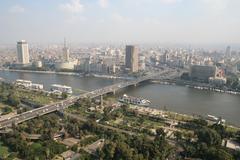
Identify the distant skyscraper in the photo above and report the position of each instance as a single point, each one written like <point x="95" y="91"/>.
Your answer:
<point x="228" y="51"/>
<point x="142" y="63"/>
<point x="165" y="57"/>
<point x="131" y="59"/>
<point x="22" y="52"/>
<point x="66" y="52"/>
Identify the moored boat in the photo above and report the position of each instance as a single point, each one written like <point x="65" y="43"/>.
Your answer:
<point x="134" y="100"/>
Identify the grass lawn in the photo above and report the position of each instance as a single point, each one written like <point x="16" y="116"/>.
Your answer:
<point x="35" y="97"/>
<point x="148" y="123"/>
<point x="3" y="106"/>
<point x="88" y="140"/>
<point x="179" y="117"/>
<point x="232" y="129"/>
<point x="118" y="121"/>
<point x="82" y="110"/>
<point x="3" y="151"/>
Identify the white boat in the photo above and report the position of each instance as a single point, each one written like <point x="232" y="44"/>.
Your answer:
<point x="134" y="100"/>
<point x="61" y="88"/>
<point x="216" y="119"/>
<point x="212" y="118"/>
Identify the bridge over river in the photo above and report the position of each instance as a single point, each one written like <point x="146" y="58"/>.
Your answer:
<point x="61" y="105"/>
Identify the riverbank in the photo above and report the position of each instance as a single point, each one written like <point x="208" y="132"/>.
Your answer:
<point x="170" y="115"/>
<point x="111" y="77"/>
<point x="42" y="72"/>
<point x="214" y="89"/>
<point x="69" y="74"/>
<point x="199" y="86"/>
<point x="163" y="82"/>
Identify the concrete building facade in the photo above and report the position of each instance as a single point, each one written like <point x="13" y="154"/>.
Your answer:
<point x="202" y="72"/>
<point x="22" y="52"/>
<point x="131" y="59"/>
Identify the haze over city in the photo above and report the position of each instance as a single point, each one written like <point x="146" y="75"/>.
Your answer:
<point x="121" y="21"/>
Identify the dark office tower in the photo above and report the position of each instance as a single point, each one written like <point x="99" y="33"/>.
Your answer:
<point x="131" y="59"/>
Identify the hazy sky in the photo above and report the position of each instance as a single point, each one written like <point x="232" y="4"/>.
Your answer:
<point x="135" y="21"/>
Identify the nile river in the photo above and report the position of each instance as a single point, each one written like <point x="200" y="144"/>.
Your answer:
<point x="176" y="98"/>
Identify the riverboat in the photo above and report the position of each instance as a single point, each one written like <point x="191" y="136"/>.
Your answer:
<point x="134" y="100"/>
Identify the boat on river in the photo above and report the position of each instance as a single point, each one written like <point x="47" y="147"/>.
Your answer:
<point x="134" y="100"/>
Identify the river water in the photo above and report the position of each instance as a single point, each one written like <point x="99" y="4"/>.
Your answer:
<point x="175" y="98"/>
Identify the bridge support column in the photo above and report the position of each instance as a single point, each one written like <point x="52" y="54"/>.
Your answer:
<point x="135" y="85"/>
<point x="114" y="92"/>
<point x="101" y="100"/>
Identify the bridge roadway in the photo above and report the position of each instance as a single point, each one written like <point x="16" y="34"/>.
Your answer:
<point x="61" y="105"/>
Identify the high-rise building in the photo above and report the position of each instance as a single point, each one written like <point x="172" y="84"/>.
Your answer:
<point x="202" y="72"/>
<point x="142" y="65"/>
<point x="238" y="67"/>
<point x="22" y="52"/>
<point x="228" y="52"/>
<point x="66" y="52"/>
<point x="131" y="59"/>
<point x="66" y="63"/>
<point x="165" y="57"/>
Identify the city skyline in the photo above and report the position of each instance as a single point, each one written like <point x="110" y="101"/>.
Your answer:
<point x="154" y="21"/>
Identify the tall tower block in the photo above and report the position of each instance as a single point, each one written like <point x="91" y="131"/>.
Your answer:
<point x="22" y="52"/>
